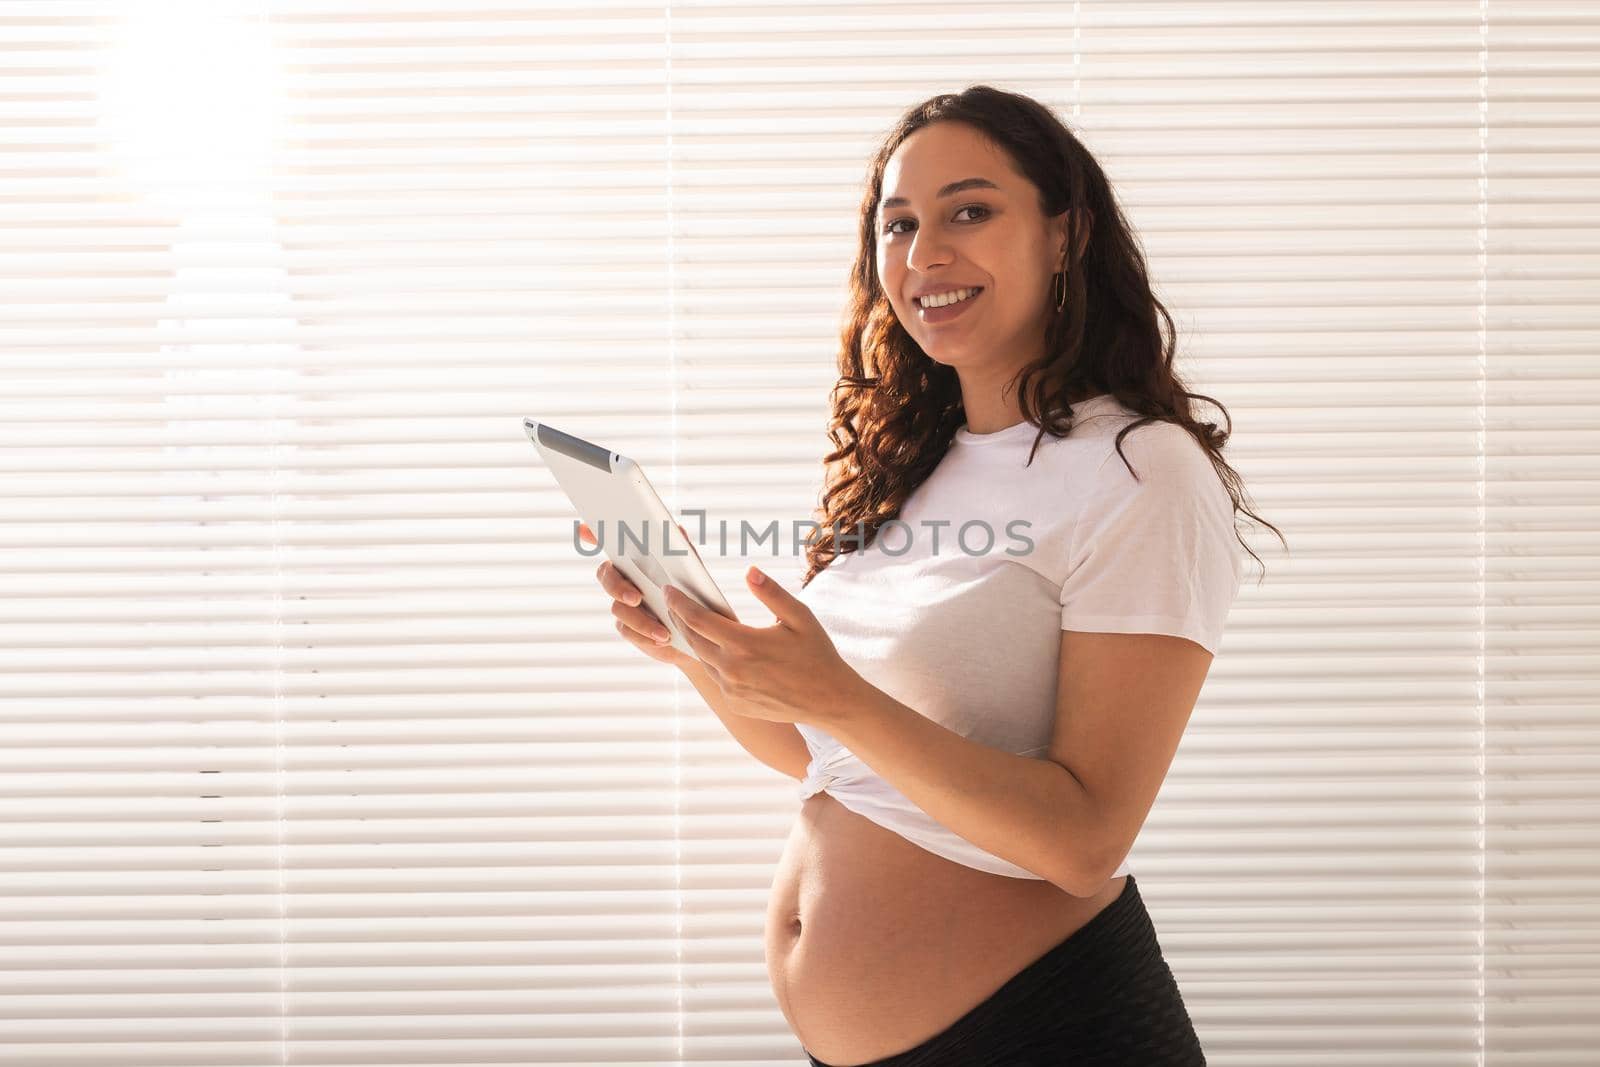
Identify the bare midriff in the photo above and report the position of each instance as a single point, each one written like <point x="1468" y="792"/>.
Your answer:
<point x="874" y="944"/>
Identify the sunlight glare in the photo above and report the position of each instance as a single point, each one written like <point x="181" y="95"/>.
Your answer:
<point x="192" y="96"/>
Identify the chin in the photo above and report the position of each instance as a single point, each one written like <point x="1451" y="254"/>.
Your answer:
<point x="949" y="359"/>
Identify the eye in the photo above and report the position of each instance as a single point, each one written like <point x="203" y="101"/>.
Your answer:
<point x="890" y="228"/>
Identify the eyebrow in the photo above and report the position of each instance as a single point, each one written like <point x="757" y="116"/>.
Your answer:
<point x="949" y="190"/>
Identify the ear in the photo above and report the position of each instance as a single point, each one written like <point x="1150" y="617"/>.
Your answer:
<point x="1085" y="227"/>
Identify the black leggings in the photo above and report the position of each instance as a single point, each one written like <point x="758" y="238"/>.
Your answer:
<point x="1104" y="996"/>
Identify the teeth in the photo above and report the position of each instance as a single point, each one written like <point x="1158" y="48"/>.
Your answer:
<point x="941" y="299"/>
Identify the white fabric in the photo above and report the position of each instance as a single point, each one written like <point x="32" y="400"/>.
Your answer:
<point x="969" y="637"/>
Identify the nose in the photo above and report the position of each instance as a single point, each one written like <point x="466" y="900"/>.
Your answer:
<point x="928" y="252"/>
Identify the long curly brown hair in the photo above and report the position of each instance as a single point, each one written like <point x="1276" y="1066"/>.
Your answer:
<point x="895" y="410"/>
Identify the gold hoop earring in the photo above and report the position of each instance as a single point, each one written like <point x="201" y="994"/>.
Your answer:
<point x="1061" y="289"/>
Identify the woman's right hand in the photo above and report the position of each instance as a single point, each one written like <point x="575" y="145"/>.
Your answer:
<point x="635" y="622"/>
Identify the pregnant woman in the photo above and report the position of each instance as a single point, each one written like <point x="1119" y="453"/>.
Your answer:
<point x="1012" y="602"/>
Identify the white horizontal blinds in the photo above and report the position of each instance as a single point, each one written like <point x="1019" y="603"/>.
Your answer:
<point x="319" y="745"/>
<point x="483" y="860"/>
<point x="1541" y="511"/>
<point x="139" y="905"/>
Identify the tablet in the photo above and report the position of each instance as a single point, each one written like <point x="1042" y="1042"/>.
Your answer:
<point x="634" y="528"/>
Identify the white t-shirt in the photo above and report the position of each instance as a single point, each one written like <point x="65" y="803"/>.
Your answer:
<point x="957" y="615"/>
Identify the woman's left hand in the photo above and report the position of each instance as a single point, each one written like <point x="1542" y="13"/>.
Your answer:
<point x="786" y="672"/>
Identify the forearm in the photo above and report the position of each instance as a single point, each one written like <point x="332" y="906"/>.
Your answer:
<point x="777" y="744"/>
<point x="1030" y="812"/>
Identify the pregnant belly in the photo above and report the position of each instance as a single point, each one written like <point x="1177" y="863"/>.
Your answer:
<point x="874" y="945"/>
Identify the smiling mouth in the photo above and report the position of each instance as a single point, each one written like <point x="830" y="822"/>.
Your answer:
<point x="977" y="291"/>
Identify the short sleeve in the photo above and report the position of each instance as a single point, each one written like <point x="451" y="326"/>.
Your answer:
<point x="1158" y="555"/>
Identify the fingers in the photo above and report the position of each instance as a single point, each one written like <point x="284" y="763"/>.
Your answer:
<point x="625" y="601"/>
<point x="616" y="584"/>
<point x="700" y="619"/>
<point x="653" y="635"/>
<point x="625" y="604"/>
<point x="637" y="624"/>
<point x="641" y="621"/>
<point x="661" y="651"/>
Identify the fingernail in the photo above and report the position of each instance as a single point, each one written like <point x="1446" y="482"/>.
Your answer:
<point x="663" y="638"/>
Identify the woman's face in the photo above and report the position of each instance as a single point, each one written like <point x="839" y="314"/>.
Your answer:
<point x="990" y="235"/>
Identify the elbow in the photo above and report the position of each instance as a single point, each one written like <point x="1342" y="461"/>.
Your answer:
<point x="1080" y="882"/>
<point x="1102" y="866"/>
<point x="1085" y="858"/>
<point x="1094" y="882"/>
<point x="1077" y="881"/>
